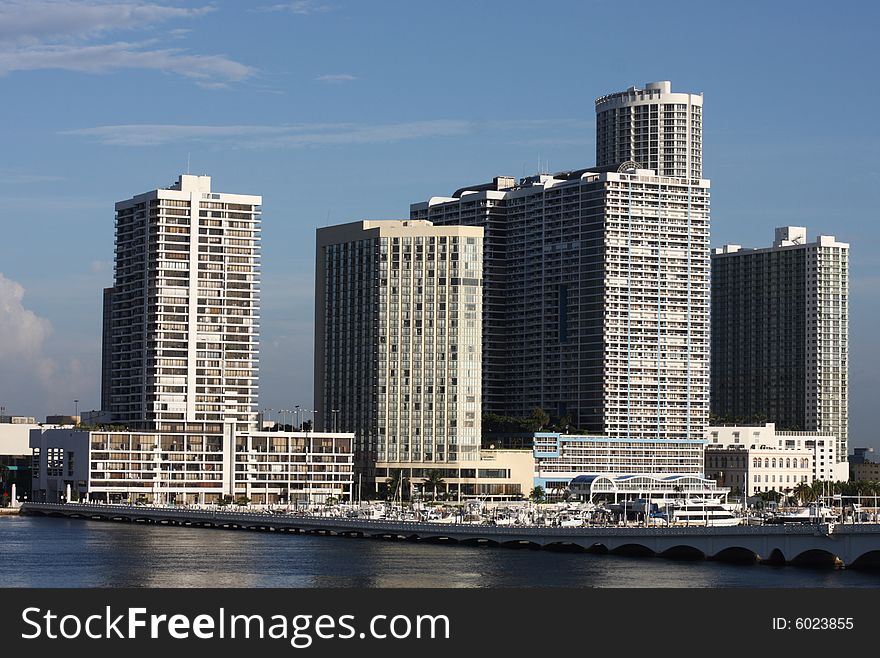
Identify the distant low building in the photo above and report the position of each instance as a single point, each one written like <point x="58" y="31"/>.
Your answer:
<point x="62" y="420"/>
<point x="862" y="467"/>
<point x="17" y="420"/>
<point x="95" y="417"/>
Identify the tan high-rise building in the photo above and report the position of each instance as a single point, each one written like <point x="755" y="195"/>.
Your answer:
<point x="398" y="321"/>
<point x="181" y="339"/>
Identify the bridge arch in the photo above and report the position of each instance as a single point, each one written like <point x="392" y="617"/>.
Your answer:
<point x="683" y="552"/>
<point x="816" y="558"/>
<point x="633" y="550"/>
<point x="520" y="543"/>
<point x="476" y="541"/>
<point x="866" y="561"/>
<point x="565" y="547"/>
<point x="737" y="555"/>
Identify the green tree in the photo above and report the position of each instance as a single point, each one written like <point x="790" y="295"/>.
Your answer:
<point x="434" y="481"/>
<point x="540" y="419"/>
<point x="804" y="493"/>
<point x="397" y="485"/>
<point x="537" y="495"/>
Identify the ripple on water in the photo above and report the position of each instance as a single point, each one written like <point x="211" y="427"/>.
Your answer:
<point x="43" y="552"/>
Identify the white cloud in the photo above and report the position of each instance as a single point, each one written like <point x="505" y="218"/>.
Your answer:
<point x="25" y="179"/>
<point x="294" y="136"/>
<point x="68" y="35"/>
<point x="22" y="332"/>
<point x="114" y="56"/>
<point x="336" y="77"/>
<point x="301" y="7"/>
<point x="97" y="266"/>
<point x="27" y="21"/>
<point x="34" y="382"/>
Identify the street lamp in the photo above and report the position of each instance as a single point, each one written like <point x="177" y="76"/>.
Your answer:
<point x="313" y="412"/>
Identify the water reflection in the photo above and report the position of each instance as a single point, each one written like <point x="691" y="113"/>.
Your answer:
<point x="40" y="552"/>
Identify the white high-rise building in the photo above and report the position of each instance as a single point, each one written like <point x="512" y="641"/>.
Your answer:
<point x="780" y="323"/>
<point x="596" y="295"/>
<point x="655" y="127"/>
<point x="596" y="298"/>
<point x="181" y="340"/>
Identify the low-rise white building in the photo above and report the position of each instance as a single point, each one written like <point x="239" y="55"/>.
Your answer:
<point x="764" y="459"/>
<point x="191" y="463"/>
<point x="654" y="463"/>
<point x="14" y="438"/>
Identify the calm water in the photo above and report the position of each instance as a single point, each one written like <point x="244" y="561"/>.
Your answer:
<point x="41" y="552"/>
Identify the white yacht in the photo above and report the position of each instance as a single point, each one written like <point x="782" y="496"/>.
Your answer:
<point x="812" y="513"/>
<point x="699" y="512"/>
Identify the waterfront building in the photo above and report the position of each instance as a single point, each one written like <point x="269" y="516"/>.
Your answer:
<point x="640" y="488"/>
<point x="398" y="341"/>
<point x="760" y="469"/>
<point x="15" y="459"/>
<point x="596" y="298"/>
<point x="192" y="463"/>
<point x="655" y="127"/>
<point x="181" y="321"/>
<point x="496" y="474"/>
<point x="780" y="319"/>
<point x="294" y="467"/>
<point x="767" y="459"/>
<point x="562" y="458"/>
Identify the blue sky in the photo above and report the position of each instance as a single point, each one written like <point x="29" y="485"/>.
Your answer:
<point x="341" y="110"/>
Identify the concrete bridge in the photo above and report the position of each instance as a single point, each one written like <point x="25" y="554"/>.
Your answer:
<point x="826" y="544"/>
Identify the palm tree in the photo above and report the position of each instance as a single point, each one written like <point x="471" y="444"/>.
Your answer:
<point x="434" y="481"/>
<point x="397" y="481"/>
<point x="537" y="494"/>
<point x="804" y="493"/>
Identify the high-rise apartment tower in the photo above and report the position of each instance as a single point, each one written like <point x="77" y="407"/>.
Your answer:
<point x="398" y="317"/>
<point x="780" y="321"/>
<point x="596" y="294"/>
<point x="181" y="339"/>
<point x="596" y="298"/>
<point x="655" y="127"/>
